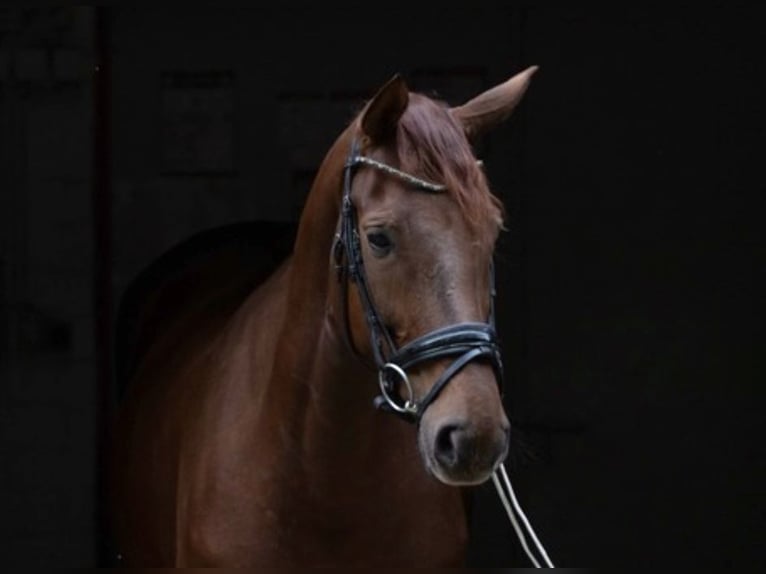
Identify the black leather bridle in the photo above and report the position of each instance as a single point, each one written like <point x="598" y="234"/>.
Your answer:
<point x="465" y="341"/>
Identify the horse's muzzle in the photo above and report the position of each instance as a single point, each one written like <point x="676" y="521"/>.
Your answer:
<point x="462" y="454"/>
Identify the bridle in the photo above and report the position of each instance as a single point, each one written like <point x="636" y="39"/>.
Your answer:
<point x="466" y="341"/>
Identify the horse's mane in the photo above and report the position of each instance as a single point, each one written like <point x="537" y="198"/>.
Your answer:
<point x="431" y="143"/>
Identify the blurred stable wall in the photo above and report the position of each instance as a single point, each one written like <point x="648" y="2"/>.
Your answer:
<point x="47" y="363"/>
<point x="644" y="197"/>
<point x="628" y="279"/>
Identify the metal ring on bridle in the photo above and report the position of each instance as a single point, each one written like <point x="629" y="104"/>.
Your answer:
<point x="410" y="406"/>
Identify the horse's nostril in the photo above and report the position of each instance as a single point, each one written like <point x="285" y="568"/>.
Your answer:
<point x="463" y="451"/>
<point x="447" y="446"/>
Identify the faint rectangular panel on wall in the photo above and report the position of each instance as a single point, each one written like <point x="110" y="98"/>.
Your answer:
<point x="11" y="18"/>
<point x="303" y="128"/>
<point x="309" y="123"/>
<point x="5" y="65"/>
<point x="197" y="118"/>
<point x="5" y="315"/>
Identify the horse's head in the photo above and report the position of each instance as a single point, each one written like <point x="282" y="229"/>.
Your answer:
<point x="427" y="259"/>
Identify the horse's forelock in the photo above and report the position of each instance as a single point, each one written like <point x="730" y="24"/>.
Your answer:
<point x="432" y="144"/>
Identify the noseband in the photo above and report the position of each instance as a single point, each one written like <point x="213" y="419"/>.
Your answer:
<point x="465" y="341"/>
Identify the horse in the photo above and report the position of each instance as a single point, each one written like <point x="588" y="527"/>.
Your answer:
<point x="249" y="434"/>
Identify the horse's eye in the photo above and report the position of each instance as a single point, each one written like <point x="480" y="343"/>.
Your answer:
<point x="379" y="242"/>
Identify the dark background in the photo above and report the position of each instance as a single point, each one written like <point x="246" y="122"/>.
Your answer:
<point x="630" y="280"/>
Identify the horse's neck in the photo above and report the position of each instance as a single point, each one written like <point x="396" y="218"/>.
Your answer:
<point x="311" y="366"/>
<point x="318" y="389"/>
<point x="320" y="449"/>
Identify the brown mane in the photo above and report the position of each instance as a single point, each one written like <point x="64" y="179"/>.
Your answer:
<point x="432" y="144"/>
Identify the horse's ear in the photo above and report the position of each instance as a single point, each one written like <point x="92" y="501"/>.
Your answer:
<point x="382" y="113"/>
<point x="486" y="110"/>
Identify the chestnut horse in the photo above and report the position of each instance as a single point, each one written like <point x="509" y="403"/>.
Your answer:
<point x="248" y="436"/>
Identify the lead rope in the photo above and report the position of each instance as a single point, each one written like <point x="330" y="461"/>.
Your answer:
<point x="513" y="508"/>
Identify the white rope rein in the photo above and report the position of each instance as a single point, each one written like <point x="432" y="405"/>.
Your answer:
<point x="513" y="508"/>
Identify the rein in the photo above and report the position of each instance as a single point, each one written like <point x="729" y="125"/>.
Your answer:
<point x="466" y="341"/>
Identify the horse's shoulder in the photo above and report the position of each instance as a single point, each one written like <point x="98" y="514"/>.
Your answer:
<point x="208" y="275"/>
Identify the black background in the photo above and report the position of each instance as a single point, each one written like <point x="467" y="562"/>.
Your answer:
<point x="630" y="279"/>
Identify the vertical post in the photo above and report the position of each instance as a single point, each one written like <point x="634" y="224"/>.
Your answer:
<point x="102" y="265"/>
